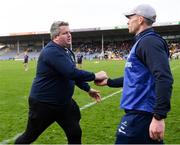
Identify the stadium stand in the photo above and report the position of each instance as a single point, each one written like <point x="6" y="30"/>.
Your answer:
<point x="94" y="43"/>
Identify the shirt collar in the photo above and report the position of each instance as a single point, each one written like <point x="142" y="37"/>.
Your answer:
<point x="143" y="33"/>
<point x="57" y="45"/>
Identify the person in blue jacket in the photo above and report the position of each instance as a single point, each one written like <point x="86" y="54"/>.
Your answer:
<point x="50" y="99"/>
<point x="147" y="82"/>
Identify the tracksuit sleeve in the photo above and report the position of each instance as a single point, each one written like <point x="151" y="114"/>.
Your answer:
<point x="65" y="67"/>
<point x="153" y="52"/>
<point x="115" y="83"/>
<point x="83" y="86"/>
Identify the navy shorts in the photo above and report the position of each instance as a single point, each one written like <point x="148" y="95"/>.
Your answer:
<point x="134" y="129"/>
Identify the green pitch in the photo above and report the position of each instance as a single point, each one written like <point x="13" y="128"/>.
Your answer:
<point x="99" y="121"/>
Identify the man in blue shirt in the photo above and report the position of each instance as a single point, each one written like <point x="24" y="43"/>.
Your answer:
<point x="147" y="82"/>
<point x="50" y="99"/>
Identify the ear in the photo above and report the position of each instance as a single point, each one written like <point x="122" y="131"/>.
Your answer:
<point x="141" y="19"/>
<point x="56" y="38"/>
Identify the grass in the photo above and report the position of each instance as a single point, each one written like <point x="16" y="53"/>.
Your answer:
<point x="99" y="122"/>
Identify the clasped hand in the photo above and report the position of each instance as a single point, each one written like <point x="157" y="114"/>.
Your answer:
<point x="100" y="80"/>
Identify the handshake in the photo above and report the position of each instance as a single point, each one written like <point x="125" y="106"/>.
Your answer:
<point x="101" y="78"/>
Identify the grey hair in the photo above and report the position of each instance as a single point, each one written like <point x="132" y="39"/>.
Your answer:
<point x="148" y="21"/>
<point x="54" y="30"/>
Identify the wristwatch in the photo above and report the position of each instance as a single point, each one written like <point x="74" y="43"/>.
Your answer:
<point x="158" y="117"/>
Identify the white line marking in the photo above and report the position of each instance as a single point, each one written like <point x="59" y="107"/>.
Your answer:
<point x="104" y="98"/>
<point x="82" y="108"/>
<point x="9" y="140"/>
